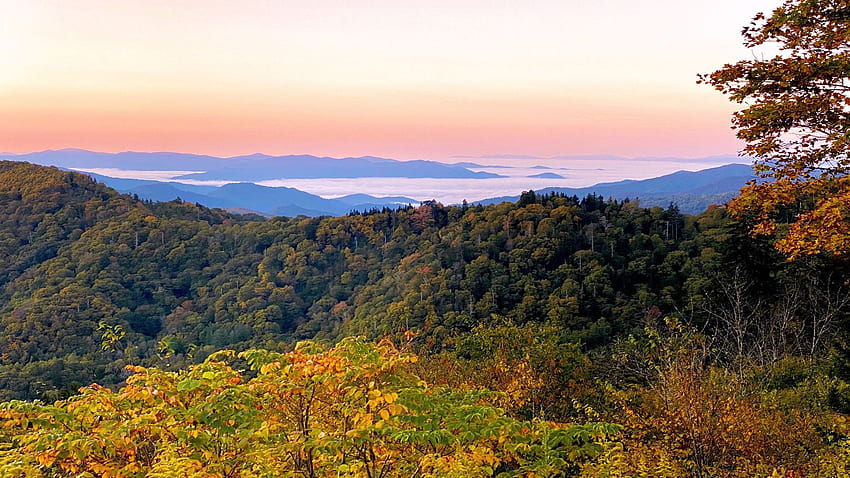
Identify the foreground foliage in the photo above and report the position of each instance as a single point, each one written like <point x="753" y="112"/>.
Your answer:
<point x="688" y="414"/>
<point x="353" y="410"/>
<point x="687" y="409"/>
<point x="360" y="409"/>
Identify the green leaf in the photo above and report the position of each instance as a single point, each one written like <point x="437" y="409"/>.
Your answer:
<point x="188" y="385"/>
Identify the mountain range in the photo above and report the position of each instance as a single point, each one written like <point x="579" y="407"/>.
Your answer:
<point x="254" y="167"/>
<point x="691" y="191"/>
<point x="270" y="201"/>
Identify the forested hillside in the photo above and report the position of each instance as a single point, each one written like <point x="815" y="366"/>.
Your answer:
<point x="93" y="280"/>
<point x="578" y="309"/>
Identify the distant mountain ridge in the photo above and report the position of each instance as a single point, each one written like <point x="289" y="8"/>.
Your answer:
<point x="728" y="158"/>
<point x="270" y="201"/>
<point x="254" y="167"/>
<point x="693" y="191"/>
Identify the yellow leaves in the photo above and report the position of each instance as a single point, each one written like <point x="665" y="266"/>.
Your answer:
<point x="269" y="367"/>
<point x="397" y="409"/>
<point x="820" y="227"/>
<point x="474" y="460"/>
<point x="640" y="459"/>
<point x="341" y="411"/>
<point x="385" y="404"/>
<point x="795" y="124"/>
<point x="46" y="459"/>
<point x="824" y="229"/>
<point x="135" y="369"/>
<point x="101" y="469"/>
<point x="10" y="423"/>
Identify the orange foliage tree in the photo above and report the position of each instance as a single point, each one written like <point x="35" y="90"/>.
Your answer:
<point x="796" y="123"/>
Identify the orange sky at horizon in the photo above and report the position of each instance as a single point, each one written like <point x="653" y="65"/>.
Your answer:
<point x="428" y="79"/>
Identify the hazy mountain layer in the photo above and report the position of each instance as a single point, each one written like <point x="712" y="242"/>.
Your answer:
<point x="277" y="201"/>
<point x="693" y="191"/>
<point x="255" y="167"/>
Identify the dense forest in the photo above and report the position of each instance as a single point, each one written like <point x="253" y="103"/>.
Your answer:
<point x="553" y="336"/>
<point x="675" y="345"/>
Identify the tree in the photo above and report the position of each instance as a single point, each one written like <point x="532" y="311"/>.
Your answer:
<point x="355" y="410"/>
<point x="685" y="415"/>
<point x="796" y="123"/>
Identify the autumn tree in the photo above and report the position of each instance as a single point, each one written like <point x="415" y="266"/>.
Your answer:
<point x="796" y="123"/>
<point x="684" y="414"/>
<point x="355" y="410"/>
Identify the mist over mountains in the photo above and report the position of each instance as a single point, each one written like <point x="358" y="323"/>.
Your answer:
<point x="254" y="167"/>
<point x="270" y="201"/>
<point x="231" y="183"/>
<point x="692" y="192"/>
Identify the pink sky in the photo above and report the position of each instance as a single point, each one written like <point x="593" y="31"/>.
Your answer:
<point x="414" y="79"/>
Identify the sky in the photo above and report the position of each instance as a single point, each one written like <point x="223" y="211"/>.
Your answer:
<point x="413" y="79"/>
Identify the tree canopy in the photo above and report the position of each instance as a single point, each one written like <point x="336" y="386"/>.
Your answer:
<point x="534" y="324"/>
<point x="796" y="123"/>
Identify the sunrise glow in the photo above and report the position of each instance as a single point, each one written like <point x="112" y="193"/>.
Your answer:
<point x="419" y="79"/>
